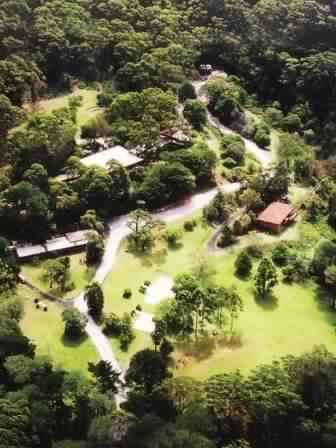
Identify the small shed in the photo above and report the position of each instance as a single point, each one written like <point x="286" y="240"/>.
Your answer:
<point x="276" y="216"/>
<point x="205" y="69"/>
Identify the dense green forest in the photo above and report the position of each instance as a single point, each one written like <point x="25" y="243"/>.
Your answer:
<point x="137" y="54"/>
<point x="284" y="52"/>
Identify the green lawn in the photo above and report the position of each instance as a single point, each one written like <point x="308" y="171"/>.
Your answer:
<point x="295" y="322"/>
<point x="80" y="275"/>
<point x="87" y="110"/>
<point x="45" y="329"/>
<point x="131" y="271"/>
<point x="292" y="323"/>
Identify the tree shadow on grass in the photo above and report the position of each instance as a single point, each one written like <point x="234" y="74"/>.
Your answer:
<point x="323" y="298"/>
<point x="200" y="350"/>
<point x="157" y="257"/>
<point x="176" y="247"/>
<point x="68" y="342"/>
<point x="267" y="303"/>
<point x="231" y="341"/>
<point x="243" y="277"/>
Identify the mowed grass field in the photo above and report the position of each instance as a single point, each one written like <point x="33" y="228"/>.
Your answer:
<point x="131" y="271"/>
<point x="87" y="110"/>
<point x="294" y="322"/>
<point x="81" y="275"/>
<point x="45" y="329"/>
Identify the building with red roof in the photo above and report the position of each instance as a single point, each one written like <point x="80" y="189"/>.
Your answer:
<point x="276" y="216"/>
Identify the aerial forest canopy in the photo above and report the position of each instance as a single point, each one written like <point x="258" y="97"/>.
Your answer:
<point x="283" y="51"/>
<point x="174" y="132"/>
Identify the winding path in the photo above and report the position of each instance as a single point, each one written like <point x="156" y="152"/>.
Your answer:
<point x="118" y="230"/>
<point x="265" y="157"/>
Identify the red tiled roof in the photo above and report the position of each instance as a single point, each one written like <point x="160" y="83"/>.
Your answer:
<point x="276" y="213"/>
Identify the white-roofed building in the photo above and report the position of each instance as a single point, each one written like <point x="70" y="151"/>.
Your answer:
<point x="70" y="242"/>
<point x="116" y="153"/>
<point x="30" y="251"/>
<point x="58" y="244"/>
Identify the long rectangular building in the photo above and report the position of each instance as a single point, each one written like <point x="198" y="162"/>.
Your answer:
<point x="69" y="242"/>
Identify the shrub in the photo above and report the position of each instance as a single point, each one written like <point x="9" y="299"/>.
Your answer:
<point x="242" y="225"/>
<point x="172" y="237"/>
<point x="233" y="147"/>
<point x="280" y="254"/>
<point x="262" y="138"/>
<point x="126" y="332"/>
<point x="147" y="282"/>
<point x="142" y="289"/>
<point x="138" y="307"/>
<point x="238" y="174"/>
<point x="292" y="123"/>
<point x="309" y="136"/>
<point x="195" y="112"/>
<point x="186" y="91"/>
<point x="254" y="251"/>
<point x="229" y="162"/>
<point x="226" y="237"/>
<point x="94" y="248"/>
<point x="127" y="293"/>
<point x="112" y="325"/>
<point x="243" y="264"/>
<point x="297" y="270"/>
<point x="189" y="226"/>
<point x="74" y="323"/>
<point x="274" y="116"/>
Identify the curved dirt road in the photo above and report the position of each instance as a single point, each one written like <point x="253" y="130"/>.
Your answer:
<point x="264" y="157"/>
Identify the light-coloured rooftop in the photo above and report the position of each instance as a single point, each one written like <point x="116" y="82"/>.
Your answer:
<point x="71" y="240"/>
<point x="57" y="244"/>
<point x="78" y="236"/>
<point x="116" y="153"/>
<point x="30" y="250"/>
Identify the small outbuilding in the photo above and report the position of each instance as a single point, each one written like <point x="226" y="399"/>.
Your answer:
<point x="205" y="69"/>
<point x="276" y="216"/>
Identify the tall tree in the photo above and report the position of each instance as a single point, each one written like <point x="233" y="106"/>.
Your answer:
<point x="266" y="278"/>
<point x="58" y="272"/>
<point x="147" y="369"/>
<point x="94" y="298"/>
<point x="143" y="227"/>
<point x="108" y="379"/>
